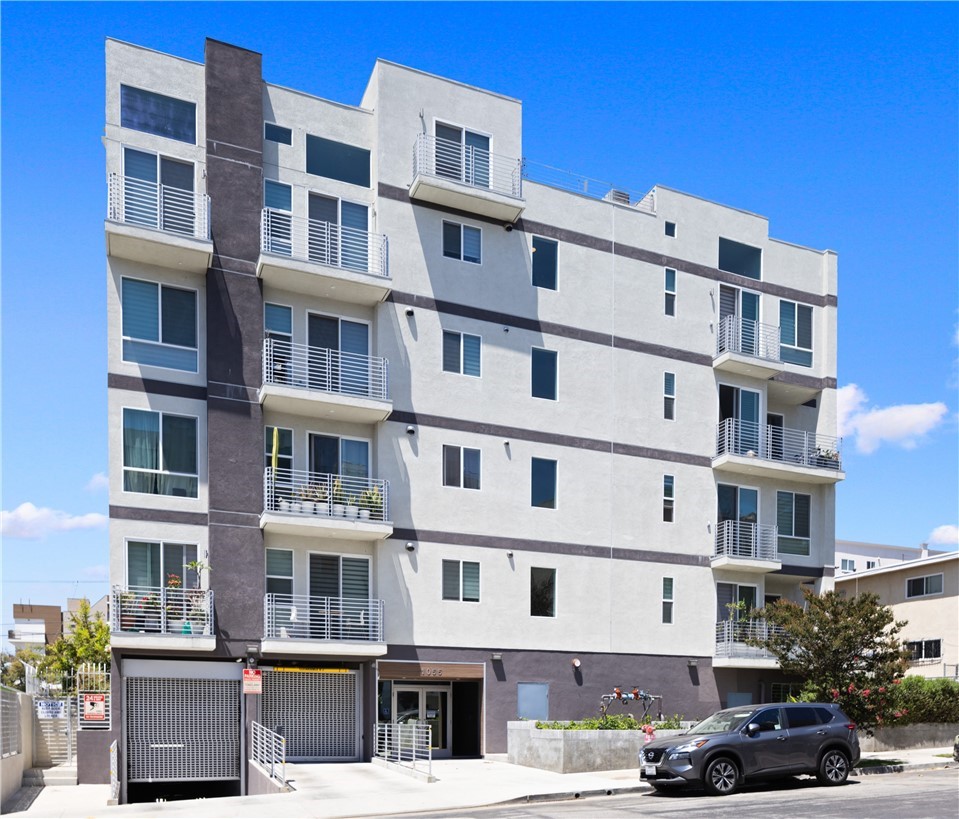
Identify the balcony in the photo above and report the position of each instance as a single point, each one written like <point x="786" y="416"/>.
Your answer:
<point x="153" y="617"/>
<point x="321" y="382"/>
<point x="159" y="225"/>
<point x="300" y="624"/>
<point x="467" y="178"/>
<point x="761" y="450"/>
<point x="747" y="547"/>
<point x="322" y="505"/>
<point x="747" y="347"/>
<point x="322" y="259"/>
<point x="732" y="651"/>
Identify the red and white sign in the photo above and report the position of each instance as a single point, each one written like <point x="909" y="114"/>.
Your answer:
<point x="94" y="707"/>
<point x="252" y="681"/>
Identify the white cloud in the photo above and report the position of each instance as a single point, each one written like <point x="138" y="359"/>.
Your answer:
<point x="948" y="535"/>
<point x="29" y="522"/>
<point x="901" y="424"/>
<point x="98" y="482"/>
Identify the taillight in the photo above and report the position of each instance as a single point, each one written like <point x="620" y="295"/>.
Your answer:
<point x="851" y="726"/>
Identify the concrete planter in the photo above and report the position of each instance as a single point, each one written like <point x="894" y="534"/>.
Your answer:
<point x="904" y="737"/>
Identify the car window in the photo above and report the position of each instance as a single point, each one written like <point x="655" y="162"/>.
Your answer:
<point x="768" y="720"/>
<point x="825" y="715"/>
<point x="799" y="717"/>
<point x="721" y="721"/>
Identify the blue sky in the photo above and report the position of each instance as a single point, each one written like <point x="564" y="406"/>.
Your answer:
<point x="837" y="122"/>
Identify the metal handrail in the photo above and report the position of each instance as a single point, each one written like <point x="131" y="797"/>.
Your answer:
<point x="409" y="744"/>
<point x="305" y="617"/>
<point x="114" y="771"/>
<point x="157" y="610"/>
<point x="475" y="167"/>
<point x="731" y="636"/>
<point x="748" y="337"/>
<point x="735" y="538"/>
<point x="310" y="240"/>
<point x="297" y="492"/>
<point x="323" y="370"/>
<point x="593" y="188"/>
<point x="161" y="207"/>
<point x="781" y="444"/>
<point x="268" y="749"/>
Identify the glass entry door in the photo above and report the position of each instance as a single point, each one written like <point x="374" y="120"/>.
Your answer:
<point x="428" y="704"/>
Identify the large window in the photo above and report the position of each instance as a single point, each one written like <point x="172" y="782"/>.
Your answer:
<point x="158" y="192"/>
<point x="152" y="563"/>
<point x="279" y="571"/>
<point x="669" y="396"/>
<point x="795" y="327"/>
<point x="667" y="600"/>
<point x="924" y="650"/>
<point x="339" y="576"/>
<point x="542" y="592"/>
<point x="159" y="453"/>
<point x="462" y="242"/>
<point x="461" y="353"/>
<point x="543" y="367"/>
<point x="461" y="580"/>
<point x="337" y="160"/>
<point x="461" y="467"/>
<point x="792" y="518"/>
<point x="156" y="114"/>
<point x="462" y="155"/>
<point x="924" y="586"/>
<point x="159" y="325"/>
<point x="543" y="483"/>
<point x="545" y="263"/>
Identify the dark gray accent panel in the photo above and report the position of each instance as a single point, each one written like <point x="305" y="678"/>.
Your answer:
<point x="563" y="235"/>
<point x="93" y="753"/>
<point x="233" y="392"/>
<point x="808" y="381"/>
<point x="157" y="515"/>
<point x="806" y="571"/>
<point x="219" y="518"/>
<point x="634" y="451"/>
<point x="236" y="456"/>
<point x="115" y="381"/>
<point x="661" y="351"/>
<point x="238" y="581"/>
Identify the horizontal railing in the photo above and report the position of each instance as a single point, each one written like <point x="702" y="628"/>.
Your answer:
<point x="268" y="750"/>
<point x="748" y="337"/>
<point x="310" y="240"/>
<point x="735" y="538"/>
<point x="770" y="443"/>
<point x="161" y="207"/>
<point x="296" y="492"/>
<point x="317" y="368"/>
<point x="433" y="156"/>
<point x="594" y="188"/>
<point x="731" y="637"/>
<point x="155" y="610"/>
<point x="304" y="617"/>
<point x="408" y="744"/>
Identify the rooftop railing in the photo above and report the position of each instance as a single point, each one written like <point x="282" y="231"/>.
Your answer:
<point x="594" y="188"/>
<point x="157" y="610"/>
<point x="736" y="538"/>
<point x="794" y="447"/>
<point x="731" y="637"/>
<point x="314" y="494"/>
<point x="302" y="617"/>
<point x="161" y="207"/>
<point x="748" y="337"/>
<point x="317" y="368"/>
<point x="433" y="156"/>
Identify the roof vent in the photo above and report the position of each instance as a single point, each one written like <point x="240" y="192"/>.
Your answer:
<point x="617" y="196"/>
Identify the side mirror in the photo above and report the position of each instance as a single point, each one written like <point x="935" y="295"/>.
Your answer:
<point x="752" y="729"/>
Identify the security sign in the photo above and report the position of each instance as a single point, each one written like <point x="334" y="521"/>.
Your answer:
<point x="252" y="681"/>
<point x="94" y="707"/>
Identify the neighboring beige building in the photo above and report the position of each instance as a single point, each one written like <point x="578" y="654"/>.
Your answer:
<point x="855" y="556"/>
<point x="925" y="593"/>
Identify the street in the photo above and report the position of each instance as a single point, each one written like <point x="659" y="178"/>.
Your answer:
<point x="916" y="795"/>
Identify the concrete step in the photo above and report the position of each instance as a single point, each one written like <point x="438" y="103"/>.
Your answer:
<point x="40" y="777"/>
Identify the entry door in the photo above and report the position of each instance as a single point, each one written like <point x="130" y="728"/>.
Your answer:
<point x="744" y="305"/>
<point x="427" y="704"/>
<point x="774" y="436"/>
<point x="346" y="457"/>
<point x="741" y="505"/>
<point x="339" y="355"/>
<point x="167" y="207"/>
<point x="338" y="233"/>
<point x="742" y="406"/>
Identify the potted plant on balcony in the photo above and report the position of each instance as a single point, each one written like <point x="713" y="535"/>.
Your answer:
<point x="318" y="494"/>
<point x="149" y="605"/>
<point x="371" y="504"/>
<point x="339" y="499"/>
<point x="128" y="611"/>
<point x="196" y="601"/>
<point x="305" y="497"/>
<point x="352" y="508"/>
<point x="174" y="603"/>
<point x="827" y="458"/>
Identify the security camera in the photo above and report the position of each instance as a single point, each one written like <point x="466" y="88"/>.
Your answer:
<point x="411" y="430"/>
<point x="410" y="547"/>
<point x="508" y="228"/>
<point x="409" y="311"/>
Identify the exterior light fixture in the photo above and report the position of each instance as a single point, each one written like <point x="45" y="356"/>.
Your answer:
<point x="496" y="657"/>
<point x="576" y="662"/>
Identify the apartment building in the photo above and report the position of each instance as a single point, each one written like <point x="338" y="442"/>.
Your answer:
<point x="856" y="556"/>
<point x="419" y="437"/>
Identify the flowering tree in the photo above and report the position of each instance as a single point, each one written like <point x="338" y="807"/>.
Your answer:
<point x="847" y="651"/>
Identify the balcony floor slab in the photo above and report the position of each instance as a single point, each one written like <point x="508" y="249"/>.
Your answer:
<point x="315" y="279"/>
<point x="745" y="662"/>
<point x="158" y="247"/>
<point x="780" y="470"/>
<point x="322" y="648"/>
<point x="747" y="365"/>
<point x="457" y="195"/>
<point x="162" y="642"/>
<point x="297" y="523"/>
<point x="327" y="405"/>
<point x="745" y="564"/>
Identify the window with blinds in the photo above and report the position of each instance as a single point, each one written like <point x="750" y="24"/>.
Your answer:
<point x="159" y="325"/>
<point x="667" y="600"/>
<point x="279" y="571"/>
<point x="669" y="396"/>
<point x="462" y="242"/>
<point x="339" y="576"/>
<point x="461" y="467"/>
<point x="670" y="292"/>
<point x="461" y="353"/>
<point x="795" y="328"/>
<point x="461" y="581"/>
<point x="793" y="522"/>
<point x="152" y="563"/>
<point x="159" y="453"/>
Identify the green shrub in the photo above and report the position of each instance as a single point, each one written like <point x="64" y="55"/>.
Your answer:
<point x="611" y="722"/>
<point x="918" y="699"/>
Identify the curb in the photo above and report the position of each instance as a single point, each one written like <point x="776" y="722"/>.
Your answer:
<point x="913" y="766"/>
<point x="562" y="796"/>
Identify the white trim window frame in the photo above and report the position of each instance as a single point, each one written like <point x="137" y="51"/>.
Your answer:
<point x="188" y="578"/>
<point x="467" y="588"/>
<point x="128" y="342"/>
<point x="847" y="565"/>
<point x="543" y="242"/>
<point x="669" y="498"/>
<point x="931" y="586"/>
<point x="442" y="161"/>
<point x="669" y="589"/>
<point x="787" y="541"/>
<point x="178" y="483"/>
<point x="458" y="475"/>
<point x="791" y="350"/>
<point x="460" y="252"/>
<point x="463" y="362"/>
<point x="280" y="578"/>
<point x="669" y="396"/>
<point x="669" y="292"/>
<point x="924" y="651"/>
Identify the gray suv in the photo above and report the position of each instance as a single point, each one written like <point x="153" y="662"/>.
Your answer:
<point x="755" y="741"/>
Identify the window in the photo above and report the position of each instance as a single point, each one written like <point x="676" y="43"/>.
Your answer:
<point x="847" y="565"/>
<point x="545" y="263"/>
<point x="159" y="453"/>
<point x="668" y="498"/>
<point x="150" y="564"/>
<point x="462" y="242"/>
<point x="670" y="288"/>
<point x="156" y="114"/>
<point x="461" y="353"/>
<point x="462" y="155"/>
<point x="159" y="325"/>
<point x="542" y="592"/>
<point x="924" y="650"/>
<point x="461" y="467"/>
<point x="337" y="160"/>
<point x="284" y="447"/>
<point x="870" y="564"/>
<point x="795" y="327"/>
<point x="158" y="193"/>
<point x="337" y="232"/>
<point x="671" y="229"/>
<point x="340" y="576"/>
<point x="279" y="571"/>
<point x="735" y="601"/>
<point x="924" y="586"/>
<point x="543" y="483"/>
<point x="543" y="366"/>
<point x="801" y="717"/>
<point x="781" y="692"/>
<point x="461" y="581"/>
<point x="277" y="133"/>
<point x="792" y="518"/>
<point x="278" y="224"/>
<point x="667" y="600"/>
<point x="743" y="260"/>
<point x="669" y="396"/>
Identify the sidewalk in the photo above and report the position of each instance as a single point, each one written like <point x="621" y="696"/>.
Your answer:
<point x="360" y="789"/>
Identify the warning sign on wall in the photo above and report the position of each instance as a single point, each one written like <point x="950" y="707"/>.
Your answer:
<point x="252" y="681"/>
<point x="94" y="707"/>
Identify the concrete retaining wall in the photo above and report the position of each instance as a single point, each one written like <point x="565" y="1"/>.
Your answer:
<point x="12" y="767"/>
<point x="904" y="737"/>
<point x="258" y="781"/>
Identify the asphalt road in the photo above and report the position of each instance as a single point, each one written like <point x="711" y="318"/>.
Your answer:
<point x="914" y="795"/>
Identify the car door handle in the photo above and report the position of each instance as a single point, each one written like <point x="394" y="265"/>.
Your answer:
<point x="781" y="739"/>
<point x="821" y="733"/>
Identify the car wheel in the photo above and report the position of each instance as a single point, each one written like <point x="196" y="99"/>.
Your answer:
<point x="721" y="777"/>
<point x="833" y="768"/>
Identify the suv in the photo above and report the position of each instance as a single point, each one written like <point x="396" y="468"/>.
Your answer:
<point x="755" y="741"/>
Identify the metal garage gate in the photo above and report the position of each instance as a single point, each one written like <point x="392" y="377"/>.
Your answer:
<point x="316" y="710"/>
<point x="182" y="729"/>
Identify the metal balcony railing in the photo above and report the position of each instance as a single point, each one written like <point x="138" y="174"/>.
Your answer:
<point x="731" y="636"/>
<point x="748" y="337"/>
<point x="409" y="744"/>
<point x="735" y="538"/>
<point x="308" y="494"/>
<point x="317" y="368"/>
<point x="156" y="610"/>
<point x="433" y="156"/>
<point x="594" y="188"/>
<point x="788" y="446"/>
<point x="161" y="207"/>
<point x="310" y="240"/>
<point x="303" y="617"/>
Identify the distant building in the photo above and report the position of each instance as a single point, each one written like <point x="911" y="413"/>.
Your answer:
<point x="35" y="626"/>
<point x="856" y="556"/>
